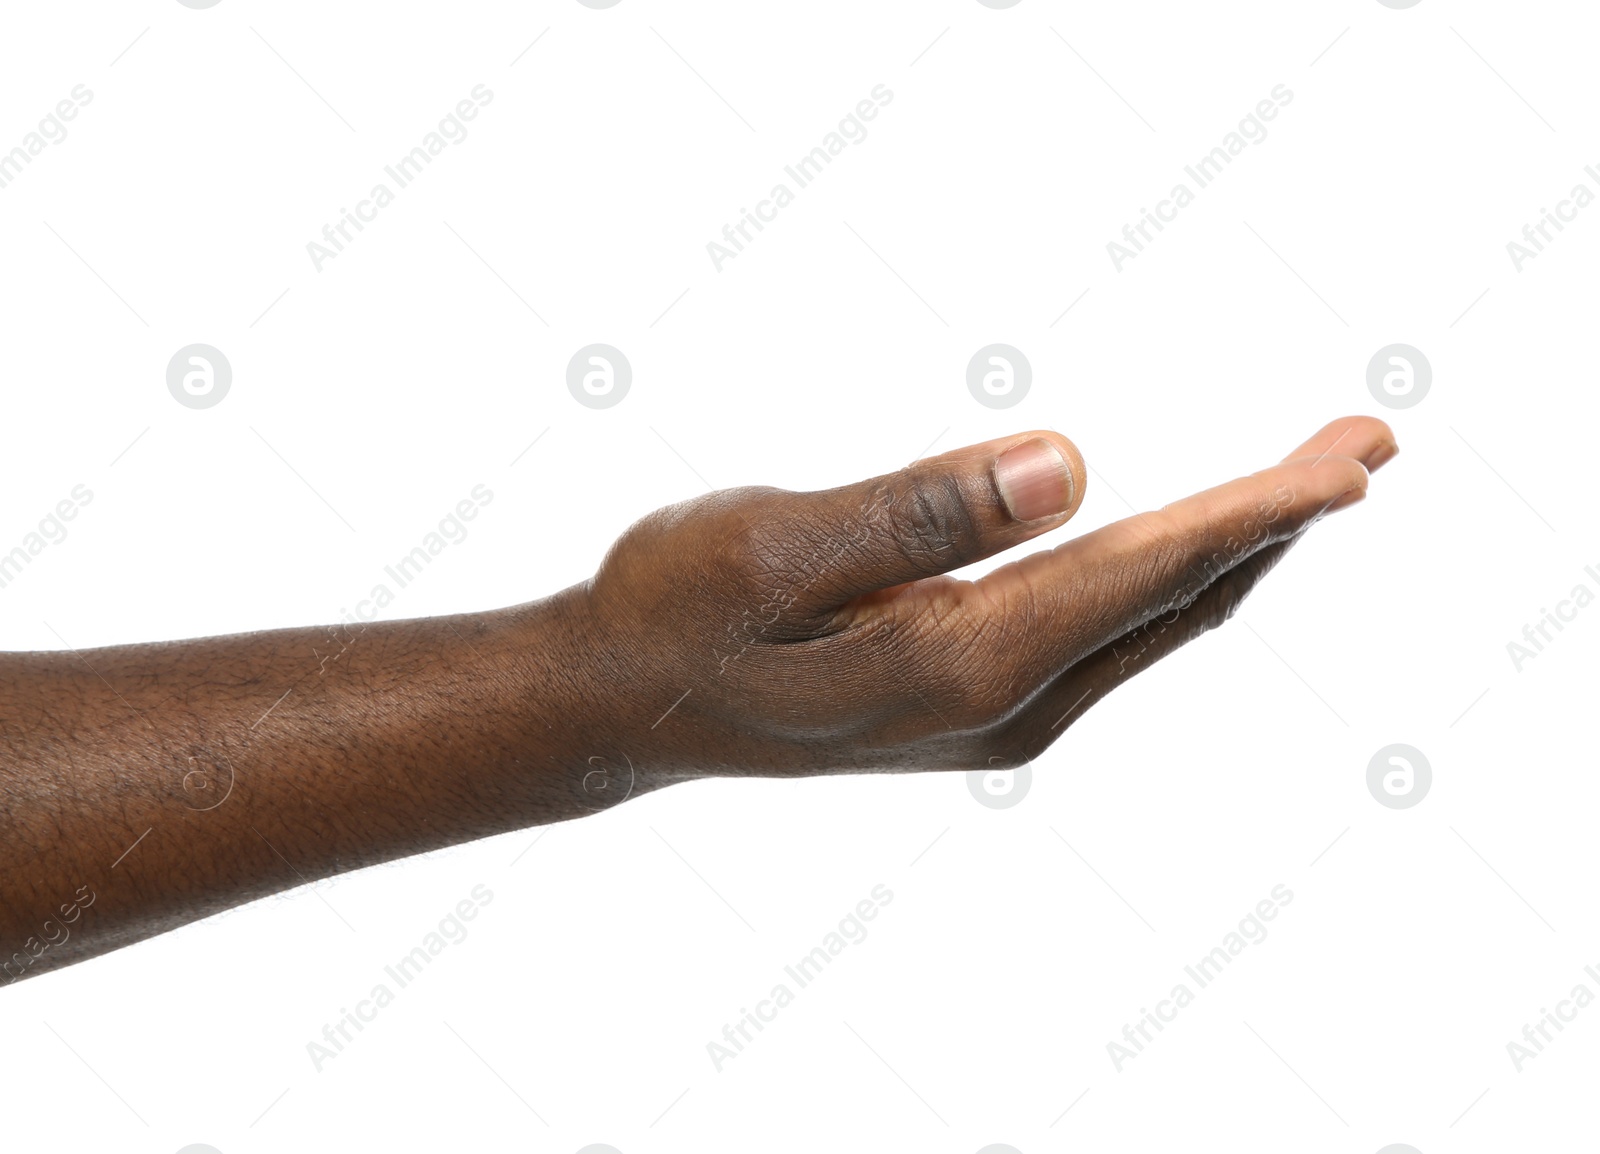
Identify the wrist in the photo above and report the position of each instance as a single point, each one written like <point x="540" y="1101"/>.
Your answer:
<point x="573" y="702"/>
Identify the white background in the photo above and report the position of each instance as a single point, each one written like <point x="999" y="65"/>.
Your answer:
<point x="369" y="397"/>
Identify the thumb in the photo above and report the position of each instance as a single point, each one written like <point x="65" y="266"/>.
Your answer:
<point x="944" y="512"/>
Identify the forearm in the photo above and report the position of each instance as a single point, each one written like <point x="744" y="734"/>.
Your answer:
<point x="239" y="766"/>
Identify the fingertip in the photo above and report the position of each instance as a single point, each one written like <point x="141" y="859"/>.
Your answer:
<point x="1360" y="478"/>
<point x="1376" y="438"/>
<point x="1080" y="471"/>
<point x="1385" y="452"/>
<point x="1353" y="497"/>
<point x="1316" y="484"/>
<point x="1366" y="439"/>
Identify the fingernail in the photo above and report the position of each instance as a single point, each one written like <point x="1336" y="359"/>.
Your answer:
<point x="1034" y="480"/>
<point x="1381" y="455"/>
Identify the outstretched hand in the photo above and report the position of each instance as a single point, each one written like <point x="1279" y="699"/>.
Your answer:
<point x="759" y="631"/>
<point x="748" y="632"/>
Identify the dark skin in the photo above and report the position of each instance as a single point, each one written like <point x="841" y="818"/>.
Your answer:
<point x="750" y="632"/>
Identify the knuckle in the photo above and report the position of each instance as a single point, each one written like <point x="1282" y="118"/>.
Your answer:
<point x="932" y="523"/>
<point x="772" y="566"/>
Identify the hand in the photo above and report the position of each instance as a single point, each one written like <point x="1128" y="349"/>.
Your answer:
<point x="803" y="633"/>
<point x="747" y="632"/>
